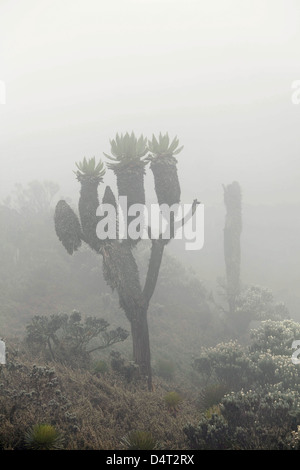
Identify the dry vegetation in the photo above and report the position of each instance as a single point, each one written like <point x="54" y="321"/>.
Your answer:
<point x="90" y="411"/>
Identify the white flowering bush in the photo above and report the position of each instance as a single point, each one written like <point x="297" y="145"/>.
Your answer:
<point x="251" y="420"/>
<point x="275" y="337"/>
<point x="262" y="411"/>
<point x="278" y="370"/>
<point x="267" y="360"/>
<point x="225" y="363"/>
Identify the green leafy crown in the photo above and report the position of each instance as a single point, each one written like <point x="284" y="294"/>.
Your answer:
<point x="162" y="147"/>
<point x="90" y="168"/>
<point x="127" y="148"/>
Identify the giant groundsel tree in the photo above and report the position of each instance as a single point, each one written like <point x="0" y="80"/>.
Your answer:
<point x="232" y="244"/>
<point x="246" y="303"/>
<point x="128" y="160"/>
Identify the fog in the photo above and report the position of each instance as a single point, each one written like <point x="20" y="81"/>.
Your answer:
<point x="217" y="74"/>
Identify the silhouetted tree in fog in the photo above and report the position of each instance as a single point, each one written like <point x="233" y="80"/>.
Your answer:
<point x="232" y="245"/>
<point x="128" y="162"/>
<point x="246" y="303"/>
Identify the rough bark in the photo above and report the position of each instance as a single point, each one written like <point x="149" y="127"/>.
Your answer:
<point x="88" y="205"/>
<point x="121" y="273"/>
<point x="166" y="181"/>
<point x="141" y="345"/>
<point x="130" y="183"/>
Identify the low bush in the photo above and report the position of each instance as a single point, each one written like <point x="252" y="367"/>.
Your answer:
<point x="43" y="437"/>
<point x="140" y="440"/>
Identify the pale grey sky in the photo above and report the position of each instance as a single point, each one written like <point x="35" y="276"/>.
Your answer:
<point x="216" y="73"/>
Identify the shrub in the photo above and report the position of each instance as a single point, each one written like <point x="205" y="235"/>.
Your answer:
<point x="128" y="370"/>
<point x="213" y="410"/>
<point x="100" y="367"/>
<point x="262" y="411"/>
<point x="91" y="412"/>
<point x="70" y="339"/>
<point x="140" y="440"/>
<point x="211" y="396"/>
<point x="226" y="363"/>
<point x="43" y="437"/>
<point x="265" y="362"/>
<point x="275" y="337"/>
<point x="257" y="303"/>
<point x="249" y="420"/>
<point x="173" y="400"/>
<point x="210" y="434"/>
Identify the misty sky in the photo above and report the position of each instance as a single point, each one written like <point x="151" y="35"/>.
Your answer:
<point x="216" y="73"/>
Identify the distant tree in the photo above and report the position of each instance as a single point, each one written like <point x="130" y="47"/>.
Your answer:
<point x="246" y="303"/>
<point x="128" y="162"/>
<point x="36" y="198"/>
<point x="232" y="246"/>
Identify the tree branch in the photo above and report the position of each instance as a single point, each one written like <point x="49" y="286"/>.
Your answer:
<point x="157" y="250"/>
<point x="175" y="225"/>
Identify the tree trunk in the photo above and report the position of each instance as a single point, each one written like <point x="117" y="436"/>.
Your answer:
<point x="141" y="345"/>
<point x="232" y="235"/>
